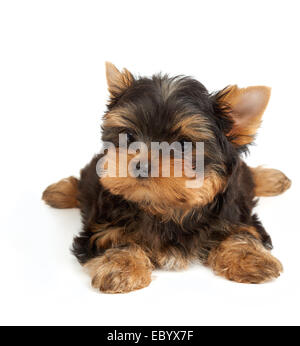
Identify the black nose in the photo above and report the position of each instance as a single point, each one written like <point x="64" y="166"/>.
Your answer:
<point x="143" y="170"/>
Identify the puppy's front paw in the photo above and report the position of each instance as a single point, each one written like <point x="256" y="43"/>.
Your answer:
<point x="244" y="260"/>
<point x="120" y="270"/>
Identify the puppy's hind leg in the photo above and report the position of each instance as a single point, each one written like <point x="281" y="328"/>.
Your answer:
<point x="62" y="194"/>
<point x="269" y="181"/>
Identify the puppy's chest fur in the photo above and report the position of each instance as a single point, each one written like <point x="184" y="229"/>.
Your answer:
<point x="113" y="222"/>
<point x="169" y="244"/>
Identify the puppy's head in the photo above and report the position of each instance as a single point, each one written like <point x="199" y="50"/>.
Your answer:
<point x="176" y="110"/>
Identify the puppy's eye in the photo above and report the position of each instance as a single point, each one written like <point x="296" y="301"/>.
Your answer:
<point x="130" y="137"/>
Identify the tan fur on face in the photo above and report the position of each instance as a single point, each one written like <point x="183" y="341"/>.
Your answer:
<point x="242" y="258"/>
<point x="165" y="196"/>
<point x="120" y="270"/>
<point x="193" y="127"/>
<point x="118" y="118"/>
<point x="269" y="182"/>
<point x="62" y="194"/>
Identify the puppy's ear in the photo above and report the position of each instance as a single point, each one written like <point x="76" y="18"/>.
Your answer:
<point x="245" y="107"/>
<point x="117" y="81"/>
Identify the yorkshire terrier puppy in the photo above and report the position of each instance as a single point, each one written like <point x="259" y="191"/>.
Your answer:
<point x="134" y="224"/>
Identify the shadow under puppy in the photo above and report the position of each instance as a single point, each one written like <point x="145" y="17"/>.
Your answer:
<point x="133" y="225"/>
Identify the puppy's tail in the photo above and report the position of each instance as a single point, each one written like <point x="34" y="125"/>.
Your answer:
<point x="62" y="194"/>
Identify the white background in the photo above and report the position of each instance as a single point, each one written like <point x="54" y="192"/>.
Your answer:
<point x="52" y="96"/>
